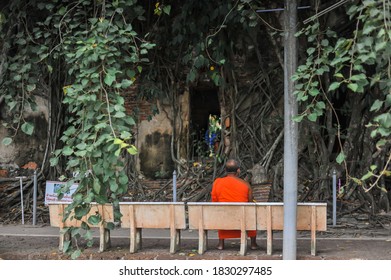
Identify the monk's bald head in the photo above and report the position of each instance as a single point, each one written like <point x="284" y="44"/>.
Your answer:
<point x="231" y="166"/>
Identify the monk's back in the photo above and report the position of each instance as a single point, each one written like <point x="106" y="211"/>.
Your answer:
<point x="230" y="189"/>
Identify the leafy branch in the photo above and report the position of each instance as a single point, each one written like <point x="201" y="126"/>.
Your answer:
<point x="361" y="62"/>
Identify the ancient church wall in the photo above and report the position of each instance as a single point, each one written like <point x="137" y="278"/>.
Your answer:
<point x="25" y="148"/>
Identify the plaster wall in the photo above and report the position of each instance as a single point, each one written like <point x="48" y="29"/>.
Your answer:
<point x="25" y="148"/>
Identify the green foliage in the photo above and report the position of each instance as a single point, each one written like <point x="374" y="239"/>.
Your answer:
<point x="360" y="63"/>
<point x="159" y="9"/>
<point x="19" y="77"/>
<point x="103" y="58"/>
<point x="7" y="141"/>
<point x="201" y="45"/>
<point x="95" y="48"/>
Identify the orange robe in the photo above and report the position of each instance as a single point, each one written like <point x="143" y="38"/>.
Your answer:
<point x="231" y="189"/>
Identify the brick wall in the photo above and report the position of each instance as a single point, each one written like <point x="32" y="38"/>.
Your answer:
<point x="136" y="106"/>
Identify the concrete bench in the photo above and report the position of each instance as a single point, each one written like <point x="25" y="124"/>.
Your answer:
<point x="166" y="215"/>
<point x="206" y="216"/>
<point x="57" y="212"/>
<point x="310" y="217"/>
<point x="268" y="216"/>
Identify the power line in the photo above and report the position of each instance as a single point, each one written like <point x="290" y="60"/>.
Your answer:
<point x="280" y="9"/>
<point x="325" y="11"/>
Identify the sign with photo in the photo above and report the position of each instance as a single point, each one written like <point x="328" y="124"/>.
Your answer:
<point x="51" y="194"/>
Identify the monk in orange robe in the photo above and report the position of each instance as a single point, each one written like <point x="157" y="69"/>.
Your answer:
<point x="232" y="189"/>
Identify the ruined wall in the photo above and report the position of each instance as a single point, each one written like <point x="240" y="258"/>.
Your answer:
<point x="153" y="134"/>
<point x="154" y="145"/>
<point x="183" y="126"/>
<point x="24" y="148"/>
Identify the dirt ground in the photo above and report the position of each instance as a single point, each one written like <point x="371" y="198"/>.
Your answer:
<point x="356" y="236"/>
<point x="339" y="243"/>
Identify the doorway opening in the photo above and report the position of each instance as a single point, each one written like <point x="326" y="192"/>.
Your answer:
<point x="204" y="122"/>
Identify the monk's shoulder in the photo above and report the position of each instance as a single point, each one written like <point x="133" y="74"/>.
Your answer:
<point x="218" y="181"/>
<point x="243" y="182"/>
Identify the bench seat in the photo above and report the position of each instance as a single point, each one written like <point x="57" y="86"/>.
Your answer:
<point x="57" y="212"/>
<point x="310" y="217"/>
<point x="166" y="215"/>
<point x="206" y="216"/>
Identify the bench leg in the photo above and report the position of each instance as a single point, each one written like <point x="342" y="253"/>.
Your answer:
<point x="63" y="237"/>
<point x="139" y="238"/>
<point x="135" y="239"/>
<point x="175" y="234"/>
<point x="313" y="246"/>
<point x="175" y="240"/>
<point x="202" y="241"/>
<point x="243" y="234"/>
<point x="243" y="243"/>
<point x="269" y="249"/>
<point x="313" y="230"/>
<point x="104" y="239"/>
<point x="269" y="231"/>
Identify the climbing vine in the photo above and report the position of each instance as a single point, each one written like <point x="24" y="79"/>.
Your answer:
<point x="359" y="63"/>
<point x="104" y="60"/>
<point x="102" y="56"/>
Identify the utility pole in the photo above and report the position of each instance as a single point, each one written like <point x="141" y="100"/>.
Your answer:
<point x="290" y="132"/>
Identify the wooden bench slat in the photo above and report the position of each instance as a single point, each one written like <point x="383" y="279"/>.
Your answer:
<point x="154" y="215"/>
<point x="57" y="212"/>
<point x="303" y="216"/>
<point x="137" y="216"/>
<point x="310" y="217"/>
<point x="222" y="216"/>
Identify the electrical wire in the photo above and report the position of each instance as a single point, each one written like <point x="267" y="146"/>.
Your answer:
<point x="325" y="11"/>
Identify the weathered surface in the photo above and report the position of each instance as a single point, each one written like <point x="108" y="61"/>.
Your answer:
<point x="260" y="183"/>
<point x="25" y="148"/>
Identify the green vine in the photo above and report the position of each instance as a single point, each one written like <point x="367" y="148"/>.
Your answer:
<point x="104" y="59"/>
<point x="102" y="56"/>
<point x="360" y="63"/>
